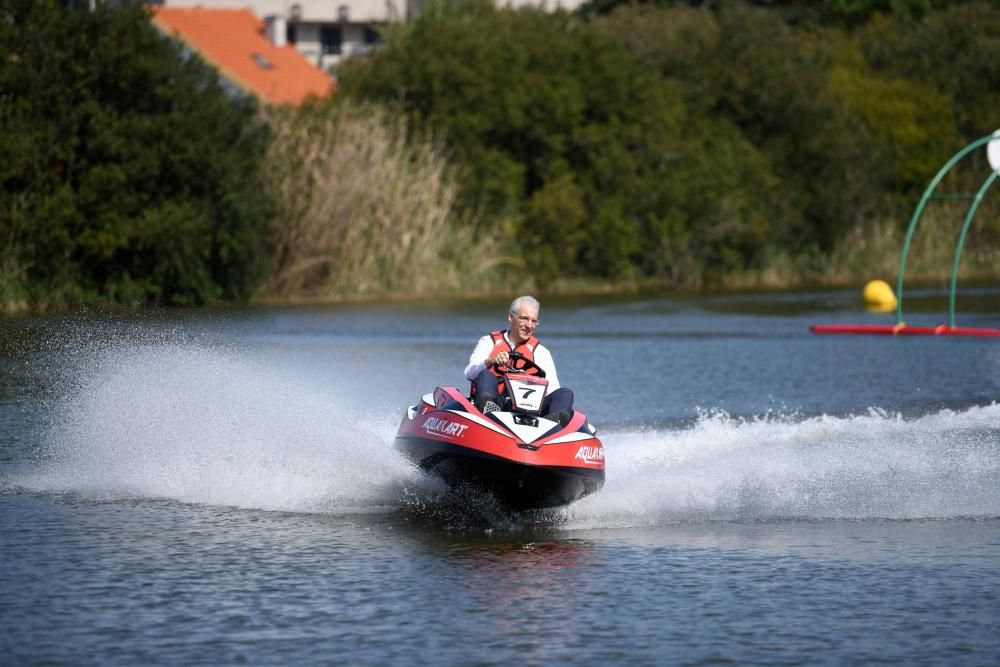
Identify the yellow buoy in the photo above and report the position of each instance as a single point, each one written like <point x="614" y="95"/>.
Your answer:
<point x="878" y="296"/>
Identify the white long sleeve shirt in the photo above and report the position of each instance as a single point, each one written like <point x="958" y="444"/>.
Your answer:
<point x="482" y="352"/>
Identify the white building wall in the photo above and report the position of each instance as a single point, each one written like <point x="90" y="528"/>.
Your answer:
<point x="309" y="43"/>
<point x="354" y="19"/>
<point x="316" y="11"/>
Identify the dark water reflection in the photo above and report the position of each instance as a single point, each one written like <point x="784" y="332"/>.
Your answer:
<point x="92" y="583"/>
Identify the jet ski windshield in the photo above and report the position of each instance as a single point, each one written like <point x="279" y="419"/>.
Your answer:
<point x="526" y="392"/>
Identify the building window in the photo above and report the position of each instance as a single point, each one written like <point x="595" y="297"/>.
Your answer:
<point x="291" y="33"/>
<point x="330" y="38"/>
<point x="261" y="61"/>
<point x="372" y="36"/>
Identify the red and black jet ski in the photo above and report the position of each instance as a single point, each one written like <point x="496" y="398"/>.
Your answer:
<point x="521" y="458"/>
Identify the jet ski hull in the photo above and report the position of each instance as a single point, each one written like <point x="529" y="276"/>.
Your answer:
<point x="524" y="462"/>
<point x="517" y="486"/>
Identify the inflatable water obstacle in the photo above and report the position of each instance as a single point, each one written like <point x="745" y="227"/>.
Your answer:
<point x="878" y="296"/>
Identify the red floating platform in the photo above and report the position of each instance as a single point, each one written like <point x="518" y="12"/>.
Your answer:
<point x="901" y="330"/>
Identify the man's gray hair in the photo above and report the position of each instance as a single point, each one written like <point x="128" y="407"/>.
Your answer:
<point x="525" y="300"/>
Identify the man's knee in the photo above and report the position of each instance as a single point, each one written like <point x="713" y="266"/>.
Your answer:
<point x="486" y="381"/>
<point x="486" y="389"/>
<point x="561" y="400"/>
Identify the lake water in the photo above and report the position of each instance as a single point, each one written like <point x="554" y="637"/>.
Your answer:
<point x="218" y="487"/>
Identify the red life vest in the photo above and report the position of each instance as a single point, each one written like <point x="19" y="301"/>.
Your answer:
<point x="500" y="344"/>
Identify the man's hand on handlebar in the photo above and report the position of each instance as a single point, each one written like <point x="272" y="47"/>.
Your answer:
<point x="514" y="362"/>
<point x="500" y="360"/>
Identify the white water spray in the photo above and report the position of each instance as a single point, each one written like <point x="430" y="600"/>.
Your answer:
<point x="207" y="426"/>
<point x="212" y="426"/>
<point x="877" y="465"/>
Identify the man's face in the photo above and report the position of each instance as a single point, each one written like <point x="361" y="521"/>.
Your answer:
<point x="522" y="323"/>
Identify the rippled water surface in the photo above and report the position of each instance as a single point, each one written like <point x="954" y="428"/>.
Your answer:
<point x="218" y="487"/>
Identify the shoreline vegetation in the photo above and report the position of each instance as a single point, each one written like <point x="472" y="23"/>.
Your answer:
<point x="622" y="148"/>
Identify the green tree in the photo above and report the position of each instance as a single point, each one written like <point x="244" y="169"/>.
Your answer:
<point x="912" y="125"/>
<point x="720" y="200"/>
<point x="775" y="89"/>
<point x="798" y="12"/>
<point x="953" y="52"/>
<point x="127" y="173"/>
<point x="687" y="142"/>
<point x="548" y="116"/>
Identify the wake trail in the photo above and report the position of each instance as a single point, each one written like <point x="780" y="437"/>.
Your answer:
<point x="875" y="465"/>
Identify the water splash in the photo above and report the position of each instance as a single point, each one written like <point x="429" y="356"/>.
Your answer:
<point x="219" y="426"/>
<point x="209" y="426"/>
<point x="876" y="465"/>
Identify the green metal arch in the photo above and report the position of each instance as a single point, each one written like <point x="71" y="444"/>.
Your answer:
<point x="975" y="200"/>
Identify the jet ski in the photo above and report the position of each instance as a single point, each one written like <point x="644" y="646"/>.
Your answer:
<point x="522" y="459"/>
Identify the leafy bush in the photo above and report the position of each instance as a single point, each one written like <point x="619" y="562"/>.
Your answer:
<point x="954" y="52"/>
<point x="127" y="173"/>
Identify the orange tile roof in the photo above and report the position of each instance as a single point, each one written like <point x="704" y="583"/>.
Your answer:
<point x="233" y="41"/>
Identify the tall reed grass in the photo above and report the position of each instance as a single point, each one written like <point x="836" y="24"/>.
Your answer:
<point x="872" y="249"/>
<point x="365" y="210"/>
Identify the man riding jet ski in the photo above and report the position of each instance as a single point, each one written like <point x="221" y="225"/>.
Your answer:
<point x="493" y="352"/>
<point x="517" y="436"/>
